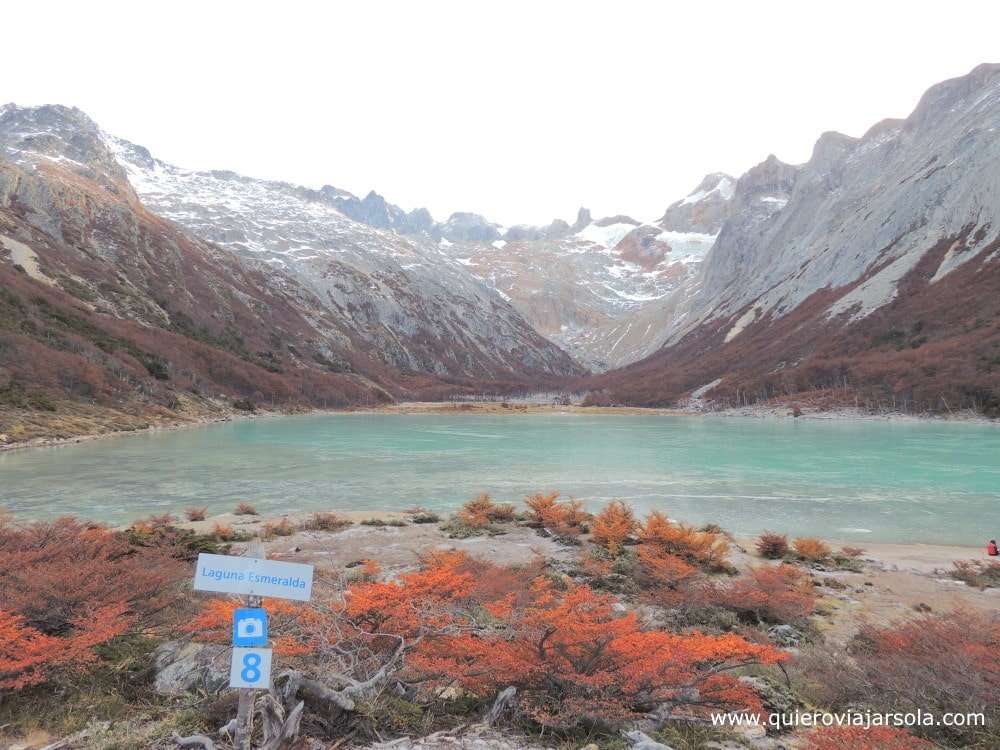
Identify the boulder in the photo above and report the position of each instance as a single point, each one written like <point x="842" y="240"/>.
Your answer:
<point x="183" y="667"/>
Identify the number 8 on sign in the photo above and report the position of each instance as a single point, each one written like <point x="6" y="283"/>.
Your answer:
<point x="251" y="668"/>
<point x="250" y="672"/>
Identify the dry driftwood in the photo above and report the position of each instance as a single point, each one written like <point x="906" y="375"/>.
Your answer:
<point x="195" y="740"/>
<point x="503" y="704"/>
<point x="279" y="729"/>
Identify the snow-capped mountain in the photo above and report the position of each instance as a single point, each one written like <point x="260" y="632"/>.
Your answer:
<point x="590" y="287"/>
<point x="363" y="299"/>
<point x="874" y="267"/>
<point x="416" y="308"/>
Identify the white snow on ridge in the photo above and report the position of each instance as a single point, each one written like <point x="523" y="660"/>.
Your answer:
<point x="608" y="236"/>
<point x="499" y="244"/>
<point x="724" y="188"/>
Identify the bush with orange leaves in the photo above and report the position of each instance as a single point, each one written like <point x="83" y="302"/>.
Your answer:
<point x="576" y="661"/>
<point x="706" y="549"/>
<point x="812" y="549"/>
<point x="613" y="525"/>
<point x="564" y="518"/>
<point x="67" y="587"/>
<point x="481" y="511"/>
<point x="861" y="738"/>
<point x="768" y="594"/>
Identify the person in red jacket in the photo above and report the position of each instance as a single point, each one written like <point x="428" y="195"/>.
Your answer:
<point x="991" y="548"/>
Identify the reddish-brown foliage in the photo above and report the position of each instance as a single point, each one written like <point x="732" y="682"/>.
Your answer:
<point x="921" y="352"/>
<point x="771" y="545"/>
<point x="770" y="593"/>
<point x="811" y="549"/>
<point x="575" y="660"/>
<point x="703" y="548"/>
<point x="860" y="738"/>
<point x="565" y="518"/>
<point x="66" y="587"/>
<point x="195" y="514"/>
<point x="613" y="525"/>
<point x="482" y="511"/>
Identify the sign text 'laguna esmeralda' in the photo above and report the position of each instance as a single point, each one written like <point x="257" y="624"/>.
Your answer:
<point x="252" y="575"/>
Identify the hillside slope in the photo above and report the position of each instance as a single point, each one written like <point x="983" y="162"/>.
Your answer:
<point x="870" y="273"/>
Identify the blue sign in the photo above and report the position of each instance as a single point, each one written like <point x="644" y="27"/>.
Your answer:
<point x="250" y="627"/>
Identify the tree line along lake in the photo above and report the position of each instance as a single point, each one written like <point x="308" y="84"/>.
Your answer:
<point x="851" y="480"/>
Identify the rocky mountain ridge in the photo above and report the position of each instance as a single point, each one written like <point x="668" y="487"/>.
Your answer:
<point x="844" y="272"/>
<point x="403" y="301"/>
<point x="872" y="268"/>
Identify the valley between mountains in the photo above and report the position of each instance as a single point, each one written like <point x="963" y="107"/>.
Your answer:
<point x="134" y="291"/>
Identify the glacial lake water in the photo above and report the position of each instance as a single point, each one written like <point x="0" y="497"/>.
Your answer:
<point x="847" y="480"/>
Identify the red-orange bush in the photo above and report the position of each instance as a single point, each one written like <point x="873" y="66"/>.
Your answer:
<point x="812" y="549"/>
<point x="575" y="660"/>
<point x="613" y="525"/>
<point x="769" y="593"/>
<point x="860" y="738"/>
<point x="706" y="549"/>
<point x="66" y="587"/>
<point x="566" y="518"/>
<point x="482" y="511"/>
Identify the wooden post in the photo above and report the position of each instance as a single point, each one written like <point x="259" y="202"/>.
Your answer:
<point x="244" y="711"/>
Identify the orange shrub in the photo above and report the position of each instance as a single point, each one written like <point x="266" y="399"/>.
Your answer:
<point x="771" y="545"/>
<point x="704" y="548"/>
<point x="482" y="511"/>
<point x="811" y="549"/>
<point x="195" y="514"/>
<point x="67" y="587"/>
<point x="860" y="738"/>
<point x="943" y="663"/>
<point x="665" y="569"/>
<point x="222" y="532"/>
<point x="572" y="657"/>
<point x="852" y="551"/>
<point x="566" y="518"/>
<point x="613" y="525"/>
<point x="245" y="509"/>
<point x="770" y="593"/>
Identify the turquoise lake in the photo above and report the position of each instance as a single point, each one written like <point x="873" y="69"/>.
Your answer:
<point x="846" y="480"/>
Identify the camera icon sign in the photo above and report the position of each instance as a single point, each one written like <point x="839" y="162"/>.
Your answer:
<point x="250" y="627"/>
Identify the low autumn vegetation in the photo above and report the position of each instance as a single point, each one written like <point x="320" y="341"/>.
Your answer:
<point x="811" y="549"/>
<point x="479" y="516"/>
<point x="564" y="518"/>
<point x="196" y="513"/>
<point x="653" y="620"/>
<point x="67" y="588"/>
<point x="771" y="545"/>
<point x="613" y="526"/>
<point x="861" y="738"/>
<point x="939" y="663"/>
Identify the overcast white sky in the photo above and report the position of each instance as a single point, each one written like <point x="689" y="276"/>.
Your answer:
<point x="521" y="111"/>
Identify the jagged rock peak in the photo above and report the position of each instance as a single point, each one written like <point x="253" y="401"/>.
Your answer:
<point x="583" y="218"/>
<point x="943" y="97"/>
<point x="62" y="135"/>
<point x="463" y="226"/>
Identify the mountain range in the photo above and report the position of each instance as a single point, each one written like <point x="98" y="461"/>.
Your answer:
<point x="870" y="274"/>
